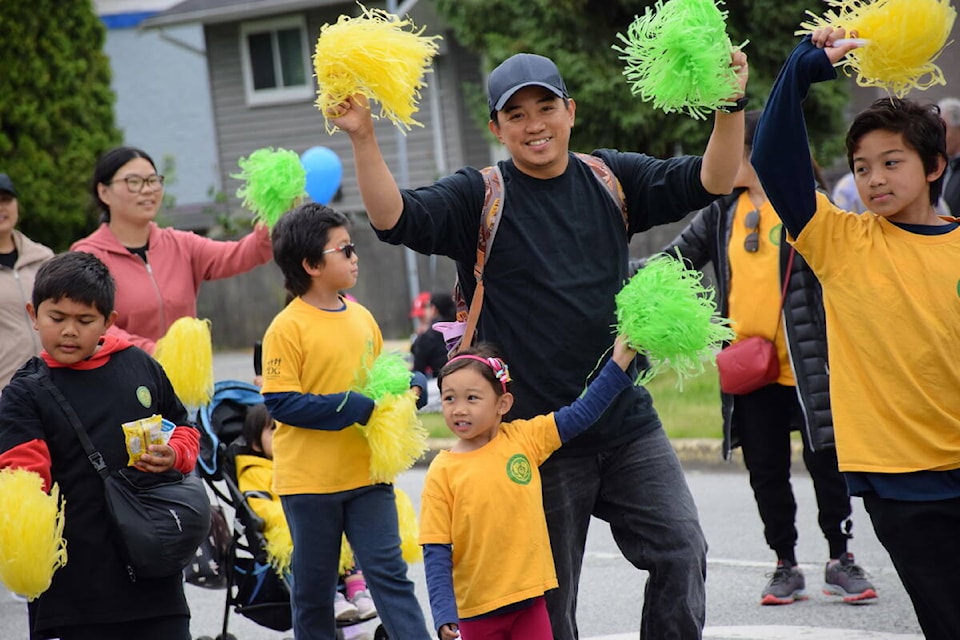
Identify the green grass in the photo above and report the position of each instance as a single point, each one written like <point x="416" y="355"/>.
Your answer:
<point x="693" y="412"/>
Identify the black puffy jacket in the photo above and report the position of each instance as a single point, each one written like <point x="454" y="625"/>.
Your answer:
<point x="705" y="240"/>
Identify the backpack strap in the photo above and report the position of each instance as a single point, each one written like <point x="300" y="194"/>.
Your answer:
<point x="611" y="184"/>
<point x="493" y="198"/>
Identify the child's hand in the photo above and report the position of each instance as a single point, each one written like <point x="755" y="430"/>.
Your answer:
<point x="159" y="458"/>
<point x="449" y="631"/>
<point x="826" y="37"/>
<point x="623" y="353"/>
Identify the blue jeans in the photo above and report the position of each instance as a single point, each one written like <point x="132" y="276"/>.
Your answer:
<point x="368" y="516"/>
<point x="639" y="488"/>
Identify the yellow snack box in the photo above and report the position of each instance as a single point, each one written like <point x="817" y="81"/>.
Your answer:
<point x="139" y="434"/>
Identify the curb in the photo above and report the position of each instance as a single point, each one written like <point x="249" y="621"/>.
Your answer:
<point x="694" y="453"/>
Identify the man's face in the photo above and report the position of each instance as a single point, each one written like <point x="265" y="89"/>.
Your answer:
<point x="534" y="125"/>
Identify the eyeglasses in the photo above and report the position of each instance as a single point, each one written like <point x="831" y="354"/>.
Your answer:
<point x="349" y="250"/>
<point x="135" y="183"/>
<point x="751" y="243"/>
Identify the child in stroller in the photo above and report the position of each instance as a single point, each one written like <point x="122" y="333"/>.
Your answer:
<point x="254" y="588"/>
<point x="254" y="478"/>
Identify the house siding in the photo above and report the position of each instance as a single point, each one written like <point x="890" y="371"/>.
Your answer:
<point x="448" y="129"/>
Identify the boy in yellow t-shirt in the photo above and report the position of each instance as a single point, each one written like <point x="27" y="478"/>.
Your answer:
<point x="891" y="293"/>
<point x="486" y="549"/>
<point x="312" y="353"/>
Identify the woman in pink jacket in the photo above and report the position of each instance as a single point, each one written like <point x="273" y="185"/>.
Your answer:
<point x="158" y="270"/>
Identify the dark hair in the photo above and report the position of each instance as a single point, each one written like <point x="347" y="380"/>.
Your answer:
<point x="482" y="350"/>
<point x="107" y="167"/>
<point x="301" y="235"/>
<point x="445" y="306"/>
<point x="921" y="126"/>
<point x="77" y="276"/>
<point x="257" y="419"/>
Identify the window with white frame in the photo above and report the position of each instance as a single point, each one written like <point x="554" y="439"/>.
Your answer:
<point x="276" y="61"/>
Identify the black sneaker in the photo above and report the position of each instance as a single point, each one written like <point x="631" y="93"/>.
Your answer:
<point x="845" y="578"/>
<point x="786" y="585"/>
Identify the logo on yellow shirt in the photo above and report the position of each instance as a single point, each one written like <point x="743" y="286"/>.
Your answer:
<point x="519" y="469"/>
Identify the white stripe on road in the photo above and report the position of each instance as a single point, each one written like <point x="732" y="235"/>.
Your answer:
<point x="782" y="633"/>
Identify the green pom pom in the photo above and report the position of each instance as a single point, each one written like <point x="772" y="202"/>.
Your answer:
<point x="667" y="314"/>
<point x="274" y="182"/>
<point x="389" y="375"/>
<point x="678" y="57"/>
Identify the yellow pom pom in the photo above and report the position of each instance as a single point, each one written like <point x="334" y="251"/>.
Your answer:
<point x="347" y="561"/>
<point x="409" y="528"/>
<point x="905" y="37"/>
<point x="186" y="355"/>
<point x="396" y="436"/>
<point x="32" y="546"/>
<point x="374" y="56"/>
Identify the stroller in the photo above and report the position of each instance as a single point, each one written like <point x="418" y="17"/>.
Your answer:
<point x="253" y="587"/>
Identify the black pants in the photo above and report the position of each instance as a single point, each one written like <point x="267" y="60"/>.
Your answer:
<point x="763" y="420"/>
<point x="923" y="540"/>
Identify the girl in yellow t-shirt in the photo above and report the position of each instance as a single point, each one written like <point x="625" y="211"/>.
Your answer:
<point x="486" y="549"/>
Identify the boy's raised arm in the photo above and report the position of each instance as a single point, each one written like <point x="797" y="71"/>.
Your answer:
<point x="379" y="190"/>
<point x="781" y="153"/>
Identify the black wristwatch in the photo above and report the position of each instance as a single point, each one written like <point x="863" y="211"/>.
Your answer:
<point x="738" y="105"/>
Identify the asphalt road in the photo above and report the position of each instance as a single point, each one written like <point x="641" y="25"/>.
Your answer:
<point x="611" y="591"/>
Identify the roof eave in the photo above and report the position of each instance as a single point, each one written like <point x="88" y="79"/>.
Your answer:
<point x="234" y="13"/>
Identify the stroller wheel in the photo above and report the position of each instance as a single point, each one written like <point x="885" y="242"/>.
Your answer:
<point x="380" y="633"/>
<point x="228" y="636"/>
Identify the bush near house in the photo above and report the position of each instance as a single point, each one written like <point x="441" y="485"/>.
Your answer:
<point x="56" y="113"/>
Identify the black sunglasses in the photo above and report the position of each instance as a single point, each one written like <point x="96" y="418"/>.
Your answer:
<point x="751" y="243"/>
<point x="349" y="250"/>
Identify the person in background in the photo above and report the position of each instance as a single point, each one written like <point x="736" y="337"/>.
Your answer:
<point x="418" y="310"/>
<point x="158" y="270"/>
<point x="742" y="236"/>
<point x="845" y="195"/>
<point x="950" y="112"/>
<point x="20" y="258"/>
<point x="429" y="349"/>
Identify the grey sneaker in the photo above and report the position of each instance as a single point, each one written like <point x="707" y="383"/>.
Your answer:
<point x="845" y="578"/>
<point x="786" y="585"/>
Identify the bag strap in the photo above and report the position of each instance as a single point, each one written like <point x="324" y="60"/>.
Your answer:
<point x="783" y="291"/>
<point x="494" y="196"/>
<point x="604" y="175"/>
<point x="94" y="456"/>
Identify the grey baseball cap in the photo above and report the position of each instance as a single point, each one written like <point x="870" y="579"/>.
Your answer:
<point x="519" y="71"/>
<point x="6" y="184"/>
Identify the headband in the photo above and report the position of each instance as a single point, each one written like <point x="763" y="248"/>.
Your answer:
<point x="498" y="366"/>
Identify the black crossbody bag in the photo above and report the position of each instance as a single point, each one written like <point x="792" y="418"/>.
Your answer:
<point x="160" y="518"/>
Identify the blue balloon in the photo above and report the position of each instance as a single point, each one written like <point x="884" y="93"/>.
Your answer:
<point x="324" y="172"/>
